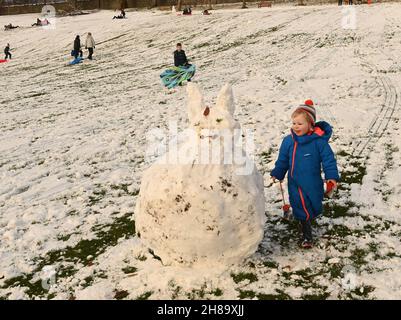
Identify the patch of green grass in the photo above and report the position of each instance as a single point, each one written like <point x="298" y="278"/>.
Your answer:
<point x="217" y="292"/>
<point x="124" y="187"/>
<point x="340" y="231"/>
<point x="244" y="276"/>
<point x="281" y="295"/>
<point x="25" y="280"/>
<point x="122" y="227"/>
<point x="335" y="270"/>
<point x="265" y="157"/>
<point x="284" y="238"/>
<point x="51" y="296"/>
<point x="343" y="153"/>
<point x="145" y="296"/>
<point x="202" y="45"/>
<point x="355" y="176"/>
<point x="247" y="294"/>
<point x="358" y="256"/>
<point x="197" y="293"/>
<point x="316" y="296"/>
<point x="335" y="210"/>
<point x="96" y="196"/>
<point x="305" y="278"/>
<point x="120" y="294"/>
<point x="88" y="281"/>
<point x="141" y="257"/>
<point x="360" y="292"/>
<point x="129" y="270"/>
<point x="270" y="264"/>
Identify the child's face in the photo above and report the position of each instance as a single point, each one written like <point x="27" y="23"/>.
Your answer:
<point x="300" y="125"/>
<point x="179" y="48"/>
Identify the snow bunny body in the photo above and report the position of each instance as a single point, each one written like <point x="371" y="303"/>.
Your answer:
<point x="194" y="209"/>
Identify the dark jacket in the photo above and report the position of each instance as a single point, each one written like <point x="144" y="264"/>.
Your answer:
<point x="303" y="158"/>
<point x="6" y="49"/>
<point x="180" y="59"/>
<point x="77" y="44"/>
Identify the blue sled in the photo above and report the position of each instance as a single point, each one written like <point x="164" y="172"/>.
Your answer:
<point x="76" y="61"/>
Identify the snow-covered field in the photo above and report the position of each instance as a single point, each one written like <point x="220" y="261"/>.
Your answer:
<point x="73" y="142"/>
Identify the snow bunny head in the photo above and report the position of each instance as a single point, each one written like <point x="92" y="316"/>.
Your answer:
<point x="219" y="117"/>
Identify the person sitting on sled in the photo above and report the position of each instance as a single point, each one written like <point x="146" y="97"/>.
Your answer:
<point x="38" y="23"/>
<point x="302" y="154"/>
<point x="121" y="15"/>
<point x="187" y="11"/>
<point x="10" y="26"/>
<point x="180" y="58"/>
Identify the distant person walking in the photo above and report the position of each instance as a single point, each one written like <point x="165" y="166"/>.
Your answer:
<point x="7" y="51"/>
<point x="77" y="47"/>
<point x="90" y="45"/>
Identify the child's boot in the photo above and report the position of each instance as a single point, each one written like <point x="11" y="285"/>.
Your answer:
<point x="307" y="240"/>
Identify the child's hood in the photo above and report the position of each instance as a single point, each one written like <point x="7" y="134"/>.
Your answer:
<point x="322" y="130"/>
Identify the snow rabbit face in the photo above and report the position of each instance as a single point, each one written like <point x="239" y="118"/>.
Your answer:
<point x="203" y="117"/>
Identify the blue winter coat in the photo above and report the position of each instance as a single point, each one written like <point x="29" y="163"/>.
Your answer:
<point x="303" y="158"/>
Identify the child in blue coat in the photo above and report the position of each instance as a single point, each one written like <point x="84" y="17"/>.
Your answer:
<point x="303" y="153"/>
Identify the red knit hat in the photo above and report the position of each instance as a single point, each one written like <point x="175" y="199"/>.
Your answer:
<point x="310" y="109"/>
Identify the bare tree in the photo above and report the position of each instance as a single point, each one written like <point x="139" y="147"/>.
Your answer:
<point x="179" y="5"/>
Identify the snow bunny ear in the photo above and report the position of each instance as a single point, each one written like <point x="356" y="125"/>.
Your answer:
<point x="195" y="102"/>
<point x="225" y="99"/>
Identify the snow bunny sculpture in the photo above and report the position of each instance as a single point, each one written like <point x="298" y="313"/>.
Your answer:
<point x="196" y="211"/>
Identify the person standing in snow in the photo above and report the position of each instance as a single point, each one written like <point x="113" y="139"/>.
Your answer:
<point x="7" y="51"/>
<point x="77" y="47"/>
<point x="302" y="154"/>
<point x="90" y="45"/>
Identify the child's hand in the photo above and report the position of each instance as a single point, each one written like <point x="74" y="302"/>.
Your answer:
<point x="331" y="186"/>
<point x="274" y="179"/>
<point x="334" y="182"/>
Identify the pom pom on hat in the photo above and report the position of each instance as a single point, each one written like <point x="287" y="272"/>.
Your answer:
<point x="308" y="102"/>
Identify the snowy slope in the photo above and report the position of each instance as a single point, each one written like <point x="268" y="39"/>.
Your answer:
<point x="73" y="142"/>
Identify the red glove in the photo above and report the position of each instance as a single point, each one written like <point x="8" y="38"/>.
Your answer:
<point x="331" y="186"/>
